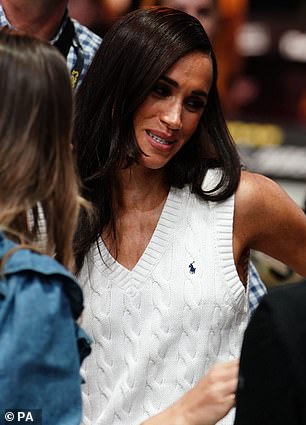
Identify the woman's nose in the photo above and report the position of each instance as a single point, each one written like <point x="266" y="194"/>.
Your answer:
<point x="172" y="115"/>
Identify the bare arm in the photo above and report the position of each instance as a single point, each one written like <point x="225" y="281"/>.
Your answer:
<point x="268" y="220"/>
<point x="208" y="402"/>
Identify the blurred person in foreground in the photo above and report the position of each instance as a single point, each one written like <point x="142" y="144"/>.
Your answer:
<point x="41" y="344"/>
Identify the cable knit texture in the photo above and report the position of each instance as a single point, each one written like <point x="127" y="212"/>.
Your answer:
<point x="157" y="329"/>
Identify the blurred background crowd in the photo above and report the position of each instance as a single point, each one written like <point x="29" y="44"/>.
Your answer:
<point x="261" y="53"/>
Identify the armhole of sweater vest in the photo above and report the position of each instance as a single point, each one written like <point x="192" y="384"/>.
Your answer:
<point x="223" y="213"/>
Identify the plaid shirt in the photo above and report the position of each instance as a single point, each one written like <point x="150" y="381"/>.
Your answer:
<point x="89" y="41"/>
<point x="257" y="288"/>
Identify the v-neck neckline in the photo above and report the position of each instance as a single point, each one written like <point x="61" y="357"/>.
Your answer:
<point x="161" y="237"/>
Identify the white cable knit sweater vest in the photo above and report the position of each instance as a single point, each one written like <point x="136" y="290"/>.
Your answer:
<point x="157" y="329"/>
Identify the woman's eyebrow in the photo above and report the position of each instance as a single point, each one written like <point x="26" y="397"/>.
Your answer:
<point x="173" y="83"/>
<point x="169" y="81"/>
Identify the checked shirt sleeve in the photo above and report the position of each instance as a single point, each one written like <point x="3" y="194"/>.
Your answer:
<point x="257" y="288"/>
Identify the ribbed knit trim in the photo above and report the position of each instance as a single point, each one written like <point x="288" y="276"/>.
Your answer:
<point x="224" y="214"/>
<point x="161" y="238"/>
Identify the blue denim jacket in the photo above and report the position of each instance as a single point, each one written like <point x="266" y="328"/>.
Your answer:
<point x="41" y="346"/>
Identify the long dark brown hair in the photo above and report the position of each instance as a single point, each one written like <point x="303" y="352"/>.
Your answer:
<point x="37" y="175"/>
<point x="134" y="54"/>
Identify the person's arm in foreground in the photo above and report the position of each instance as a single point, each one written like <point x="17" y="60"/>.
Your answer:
<point x="39" y="361"/>
<point x="208" y="402"/>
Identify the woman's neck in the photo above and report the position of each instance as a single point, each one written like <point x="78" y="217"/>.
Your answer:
<point x="139" y="198"/>
<point x="139" y="188"/>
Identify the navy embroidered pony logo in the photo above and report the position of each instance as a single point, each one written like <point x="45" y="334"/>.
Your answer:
<point x="191" y="268"/>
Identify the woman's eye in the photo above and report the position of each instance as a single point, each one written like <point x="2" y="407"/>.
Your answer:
<point x="161" y="90"/>
<point x="194" y="105"/>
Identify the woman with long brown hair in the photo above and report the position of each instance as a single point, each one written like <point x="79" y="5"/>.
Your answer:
<point x="39" y="299"/>
<point x="165" y="261"/>
<point x="41" y="345"/>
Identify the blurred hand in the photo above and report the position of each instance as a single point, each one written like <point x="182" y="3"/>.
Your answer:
<point x="208" y="402"/>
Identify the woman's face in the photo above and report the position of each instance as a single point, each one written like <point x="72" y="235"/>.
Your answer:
<point x="171" y="112"/>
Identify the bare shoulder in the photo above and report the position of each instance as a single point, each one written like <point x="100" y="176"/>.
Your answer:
<point x="254" y="202"/>
<point x="267" y="219"/>
<point x="257" y="198"/>
<point x="256" y="190"/>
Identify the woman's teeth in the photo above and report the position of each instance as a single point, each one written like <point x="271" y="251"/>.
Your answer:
<point x="158" y="139"/>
